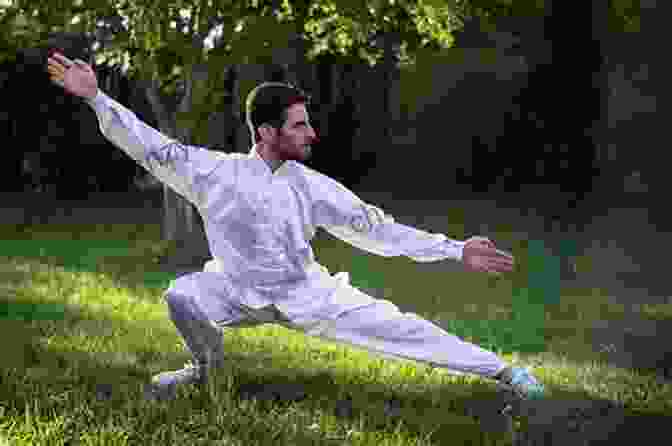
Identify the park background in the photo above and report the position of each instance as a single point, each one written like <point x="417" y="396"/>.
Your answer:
<point x="558" y="126"/>
<point x="542" y="119"/>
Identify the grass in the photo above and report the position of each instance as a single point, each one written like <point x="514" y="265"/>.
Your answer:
<point x="113" y="330"/>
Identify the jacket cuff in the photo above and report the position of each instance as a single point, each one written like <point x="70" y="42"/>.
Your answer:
<point x="455" y="249"/>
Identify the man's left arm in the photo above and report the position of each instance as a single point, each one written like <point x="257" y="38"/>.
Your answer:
<point x="344" y="215"/>
<point x="370" y="229"/>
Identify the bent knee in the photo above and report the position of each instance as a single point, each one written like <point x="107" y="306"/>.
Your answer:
<point x="180" y="289"/>
<point x="174" y="299"/>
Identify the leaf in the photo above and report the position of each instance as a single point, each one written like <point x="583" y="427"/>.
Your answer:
<point x="353" y="8"/>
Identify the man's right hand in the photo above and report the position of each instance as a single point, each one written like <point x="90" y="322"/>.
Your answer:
<point x="77" y="78"/>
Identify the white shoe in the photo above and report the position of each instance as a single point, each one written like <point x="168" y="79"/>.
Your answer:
<point x="164" y="385"/>
<point x="211" y="356"/>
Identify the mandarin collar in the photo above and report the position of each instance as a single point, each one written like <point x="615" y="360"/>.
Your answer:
<point x="261" y="167"/>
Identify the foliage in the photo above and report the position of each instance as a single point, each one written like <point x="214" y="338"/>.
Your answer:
<point x="624" y="15"/>
<point x="161" y="43"/>
<point x="339" y="28"/>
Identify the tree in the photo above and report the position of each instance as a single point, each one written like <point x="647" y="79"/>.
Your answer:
<point x="189" y="55"/>
<point x="566" y="95"/>
<point x="184" y="51"/>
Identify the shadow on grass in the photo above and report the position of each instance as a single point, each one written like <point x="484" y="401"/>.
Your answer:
<point x="62" y="379"/>
<point x="455" y="414"/>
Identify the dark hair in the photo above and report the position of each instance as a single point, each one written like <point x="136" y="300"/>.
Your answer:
<point x="267" y="104"/>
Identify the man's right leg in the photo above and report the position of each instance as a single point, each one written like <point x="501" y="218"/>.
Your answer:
<point x="194" y="302"/>
<point x="202" y="337"/>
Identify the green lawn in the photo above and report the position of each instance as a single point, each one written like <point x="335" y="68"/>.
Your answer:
<point x="109" y="326"/>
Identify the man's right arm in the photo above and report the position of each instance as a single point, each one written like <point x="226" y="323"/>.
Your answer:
<point x="177" y="165"/>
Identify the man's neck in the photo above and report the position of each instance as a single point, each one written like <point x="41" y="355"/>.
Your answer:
<point x="272" y="162"/>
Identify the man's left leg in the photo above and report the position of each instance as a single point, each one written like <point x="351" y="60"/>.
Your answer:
<point x="378" y="326"/>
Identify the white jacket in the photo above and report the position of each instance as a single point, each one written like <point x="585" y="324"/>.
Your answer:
<point x="259" y="224"/>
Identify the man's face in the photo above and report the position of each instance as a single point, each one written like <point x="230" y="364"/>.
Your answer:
<point x="292" y="141"/>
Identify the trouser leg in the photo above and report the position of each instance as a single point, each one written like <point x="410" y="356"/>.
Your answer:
<point x="203" y="338"/>
<point x="378" y="326"/>
<point x="195" y="301"/>
<point x="201" y="305"/>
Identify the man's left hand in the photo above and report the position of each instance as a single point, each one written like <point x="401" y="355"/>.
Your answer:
<point x="480" y="254"/>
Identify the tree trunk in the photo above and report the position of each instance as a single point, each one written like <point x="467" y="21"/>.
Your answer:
<point x="13" y="161"/>
<point x="233" y="115"/>
<point x="569" y="108"/>
<point x="180" y="223"/>
<point x="600" y="36"/>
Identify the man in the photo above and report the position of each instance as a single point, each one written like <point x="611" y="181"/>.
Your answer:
<point x="260" y="212"/>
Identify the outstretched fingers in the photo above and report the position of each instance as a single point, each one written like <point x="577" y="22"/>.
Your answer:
<point x="57" y="64"/>
<point x="62" y="60"/>
<point x="504" y="267"/>
<point x="498" y="262"/>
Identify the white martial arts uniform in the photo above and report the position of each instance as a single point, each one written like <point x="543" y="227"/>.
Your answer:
<point x="259" y="225"/>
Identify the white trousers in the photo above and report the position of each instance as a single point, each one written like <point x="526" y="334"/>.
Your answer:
<point x="347" y="316"/>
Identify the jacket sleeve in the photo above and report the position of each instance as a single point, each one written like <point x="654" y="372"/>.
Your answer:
<point x="179" y="166"/>
<point x="344" y="215"/>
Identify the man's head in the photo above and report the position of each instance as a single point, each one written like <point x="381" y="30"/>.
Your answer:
<point x="277" y="116"/>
